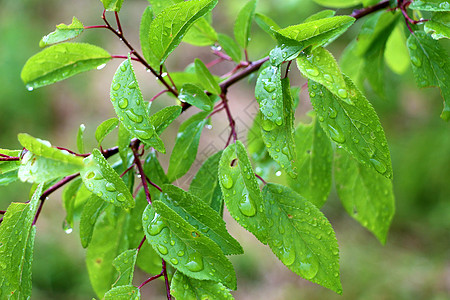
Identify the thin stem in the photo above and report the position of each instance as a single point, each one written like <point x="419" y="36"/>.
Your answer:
<point x="214" y="62"/>
<point x="166" y="279"/>
<point x="2" y="212"/>
<point x="260" y="178"/>
<point x="95" y="26"/>
<point x="153" y="184"/>
<point x="142" y="243"/>
<point x="359" y="13"/>
<point x="9" y="158"/>
<point x="287" y="69"/>
<point x="119" y="26"/>
<point x="157" y="95"/>
<point x="127" y="170"/>
<point x="171" y="81"/>
<point x="125" y="57"/>
<point x="230" y="119"/>
<point x="222" y="55"/>
<point x="246" y="55"/>
<point x="151" y="279"/>
<point x="138" y="163"/>
<point x="219" y="108"/>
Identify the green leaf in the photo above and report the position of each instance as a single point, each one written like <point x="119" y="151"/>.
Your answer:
<point x="186" y="288"/>
<point x="338" y="3"/>
<point x="80" y="138"/>
<point x="124" y="292"/>
<point x="163" y="118"/>
<point x="315" y="33"/>
<point x="105" y="128"/>
<point x="112" y="5"/>
<point x="169" y="26"/>
<point x="396" y="54"/>
<point x="128" y="103"/>
<point x="367" y="196"/>
<point x="154" y="171"/>
<point x="91" y="212"/>
<point x="301" y="236"/>
<point x="266" y="24"/>
<point x="431" y="66"/>
<point x="313" y="162"/>
<point x="200" y="215"/>
<point x="255" y="144"/>
<point x="438" y="26"/>
<point x="268" y="93"/>
<point x="356" y="128"/>
<point x="205" y="183"/>
<point x="230" y="47"/>
<point x="62" y="33"/>
<point x="159" y="5"/>
<point x="61" y="61"/>
<point x="186" y="145"/>
<point x="283" y="53"/>
<point x="430" y="5"/>
<point x="205" y="77"/>
<point x="321" y="67"/>
<point x="108" y="241"/>
<point x="327" y="13"/>
<point x="144" y="37"/>
<point x="279" y="138"/>
<point x="69" y="196"/>
<point x="187" y="249"/>
<point x="16" y="248"/>
<point x="124" y="264"/>
<point x="101" y="179"/>
<point x="9" y="177"/>
<point x="8" y="166"/>
<point x="243" y="23"/>
<point x="201" y="34"/>
<point x="123" y="142"/>
<point x="241" y="191"/>
<point x="196" y="96"/>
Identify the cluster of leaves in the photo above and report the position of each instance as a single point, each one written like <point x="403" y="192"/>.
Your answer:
<point x="182" y="233"/>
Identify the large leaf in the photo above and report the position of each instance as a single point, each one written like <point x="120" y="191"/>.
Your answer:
<point x="241" y="191"/>
<point x="431" y="66"/>
<point x="169" y="26"/>
<point x="8" y="166"/>
<point x="101" y="179"/>
<point x="205" y="77"/>
<point x="430" y="5"/>
<point x="279" y="138"/>
<point x="301" y="237"/>
<point x="184" y="247"/>
<point x="196" y="96"/>
<point x="366" y="195"/>
<point x="313" y="162"/>
<point x="62" y="33"/>
<point x="438" y="26"/>
<point x="159" y="5"/>
<point x="128" y="103"/>
<point x="108" y="241"/>
<point x="91" y="212"/>
<point x="200" y="215"/>
<point x="326" y="13"/>
<point x="186" y="288"/>
<point x="268" y="93"/>
<point x="124" y="292"/>
<point x="243" y="23"/>
<point x="124" y="264"/>
<point x="186" y="145"/>
<point x="201" y="34"/>
<point x="205" y="183"/>
<point x="16" y="248"/>
<point x="355" y="127"/>
<point x="61" y="61"/>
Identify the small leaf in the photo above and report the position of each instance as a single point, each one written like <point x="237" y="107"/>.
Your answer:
<point x="430" y="5"/>
<point x="320" y="15"/>
<point x="69" y="196"/>
<point x="201" y="34"/>
<point x="159" y="5"/>
<point x="128" y="103"/>
<point x="80" y="138"/>
<point x="205" y="77"/>
<point x="62" y="33"/>
<point x="285" y="52"/>
<point x="169" y="26"/>
<point x="205" y="183"/>
<point x="61" y="61"/>
<point x="313" y="162"/>
<point x="200" y="215"/>
<point x="186" y="146"/>
<point x="196" y="96"/>
<point x="338" y="3"/>
<point x="359" y="133"/>
<point x="241" y="191"/>
<point x="279" y="138"/>
<point x="112" y="5"/>
<point x="268" y="93"/>
<point x="188" y="250"/>
<point x="186" y="288"/>
<point x="91" y="212"/>
<point x="366" y="195"/>
<point x="101" y="179"/>
<point x="301" y="237"/>
<point x="230" y="47"/>
<point x="124" y="292"/>
<point x="105" y="128"/>
<point x="266" y="24"/>
<point x="438" y="26"/>
<point x="163" y="118"/>
<point x="243" y="23"/>
<point x="124" y="264"/>
<point x="396" y="54"/>
<point x="8" y="166"/>
<point x="9" y="177"/>
<point x="431" y="66"/>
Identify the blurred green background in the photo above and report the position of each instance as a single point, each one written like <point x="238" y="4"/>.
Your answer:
<point x="415" y="262"/>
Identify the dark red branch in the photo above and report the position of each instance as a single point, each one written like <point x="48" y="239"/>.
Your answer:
<point x="138" y="163"/>
<point x="9" y="158"/>
<point x="166" y="280"/>
<point x="260" y="178"/>
<point x="142" y="243"/>
<point x="151" y="279"/>
<point x="359" y="13"/>
<point x="125" y="57"/>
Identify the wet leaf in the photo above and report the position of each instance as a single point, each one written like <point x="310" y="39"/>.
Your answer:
<point x="204" y="76"/>
<point x="243" y="23"/>
<point x="430" y="5"/>
<point x="124" y="292"/>
<point x="62" y="33"/>
<point x="266" y="24"/>
<point x="184" y="287"/>
<point x="268" y="93"/>
<point x="196" y="96"/>
<point x="338" y="3"/>
<point x="230" y="47"/>
<point x="144" y="37"/>
<point x="327" y="13"/>
<point x="8" y="166"/>
<point x="105" y="128"/>
<point x="201" y="34"/>
<point x="91" y="212"/>
<point x="438" y="26"/>
<point x="112" y="5"/>
<point x="80" y="138"/>
<point x="124" y="264"/>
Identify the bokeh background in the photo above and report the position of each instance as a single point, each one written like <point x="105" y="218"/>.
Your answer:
<point x="415" y="262"/>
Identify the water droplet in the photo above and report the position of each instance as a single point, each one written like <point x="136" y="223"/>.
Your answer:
<point x="180" y="253"/>
<point x="67" y="228"/>
<point x="116" y="86"/>
<point x="287" y="256"/>
<point x="110" y="187"/>
<point x="332" y="113"/>
<point x="336" y="133"/>
<point x="101" y="66"/>
<point x="312" y="94"/>
<point x="142" y="134"/>
<point x="174" y="261"/>
<point x="133" y="116"/>
<point x="413" y="46"/>
<point x="132" y="85"/>
<point x="309" y="266"/>
<point x="162" y="249"/>
<point x="121" y="197"/>
<point x="90" y="175"/>
<point x="328" y="77"/>
<point x="268" y="125"/>
<point x="278" y="173"/>
<point x="416" y="61"/>
<point x="342" y="93"/>
<point x="279" y="121"/>
<point x="123" y="103"/>
<point x="313" y="71"/>
<point x="123" y="66"/>
<point x="195" y="262"/>
<point x="227" y="181"/>
<point x="378" y="165"/>
<point x="156" y="225"/>
<point x="269" y="87"/>
<point x="246" y="205"/>
<point x="29" y="88"/>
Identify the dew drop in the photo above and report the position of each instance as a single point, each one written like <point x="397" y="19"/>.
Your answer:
<point x="67" y="228"/>
<point x="269" y="87"/>
<point x="101" y="66"/>
<point x="116" y="86"/>
<point x="328" y="77"/>
<point x="90" y="175"/>
<point x="156" y="225"/>
<point x="416" y="61"/>
<point x="246" y="205"/>
<point x="336" y="133"/>
<point x="121" y="197"/>
<point x="133" y="116"/>
<point x="132" y="85"/>
<point x="378" y="165"/>
<point x="268" y="125"/>
<point x="174" y="261"/>
<point x="279" y="121"/>
<point x="413" y="46"/>
<point x="332" y="113"/>
<point x="342" y="93"/>
<point x="123" y="103"/>
<point x="162" y="249"/>
<point x="309" y="266"/>
<point x="313" y="71"/>
<point x="30" y="88"/>
<point x="142" y="134"/>
<point x="110" y="187"/>
<point x="227" y="181"/>
<point x="287" y="256"/>
<point x="123" y="67"/>
<point x="180" y="253"/>
<point x="195" y="262"/>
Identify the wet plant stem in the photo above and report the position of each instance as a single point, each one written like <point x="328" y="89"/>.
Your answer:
<point x="137" y="161"/>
